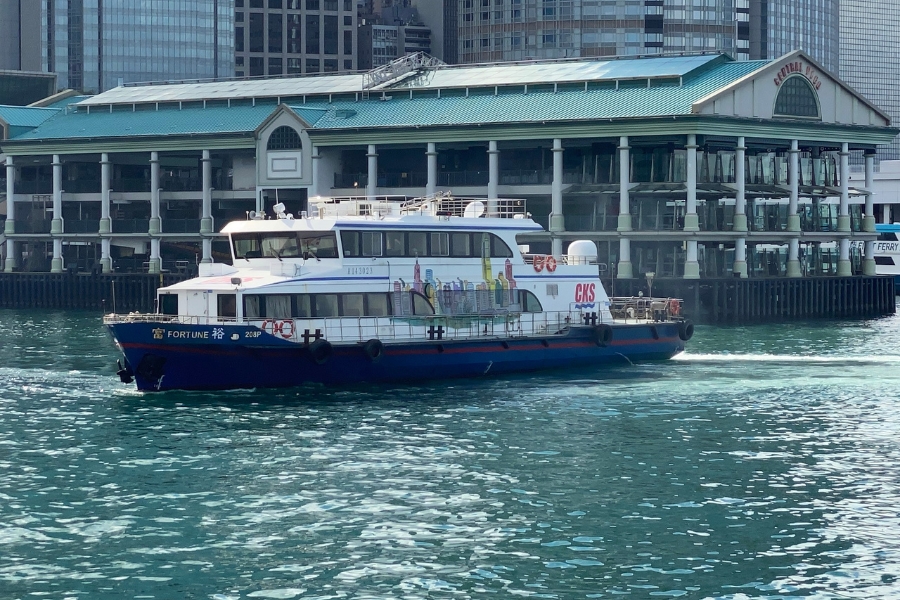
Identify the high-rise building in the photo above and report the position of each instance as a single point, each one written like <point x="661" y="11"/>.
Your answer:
<point x="493" y="30"/>
<point x="870" y="37"/>
<point x="276" y="37"/>
<point x="18" y="52"/>
<point x="95" y="45"/>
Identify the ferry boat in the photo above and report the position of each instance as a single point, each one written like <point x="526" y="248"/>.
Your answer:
<point x="380" y="290"/>
<point x="887" y="250"/>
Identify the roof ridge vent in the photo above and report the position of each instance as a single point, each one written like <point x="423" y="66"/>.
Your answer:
<point x="398" y="68"/>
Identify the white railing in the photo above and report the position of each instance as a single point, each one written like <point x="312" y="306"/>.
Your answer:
<point x="437" y="205"/>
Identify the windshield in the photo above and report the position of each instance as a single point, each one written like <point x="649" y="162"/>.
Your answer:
<point x="307" y="244"/>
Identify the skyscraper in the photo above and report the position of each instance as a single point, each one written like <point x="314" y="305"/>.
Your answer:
<point x="491" y="30"/>
<point x="18" y="52"/>
<point x="94" y="45"/>
<point x="870" y="38"/>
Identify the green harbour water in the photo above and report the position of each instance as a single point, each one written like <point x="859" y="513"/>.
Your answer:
<point x="762" y="463"/>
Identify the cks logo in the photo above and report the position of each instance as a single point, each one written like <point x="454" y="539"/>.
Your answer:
<point x="585" y="292"/>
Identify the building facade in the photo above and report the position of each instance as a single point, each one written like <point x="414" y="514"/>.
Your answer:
<point x="870" y="36"/>
<point x="684" y="167"/>
<point x="20" y="52"/>
<point x="95" y="45"/>
<point x="278" y="37"/>
<point x="746" y="29"/>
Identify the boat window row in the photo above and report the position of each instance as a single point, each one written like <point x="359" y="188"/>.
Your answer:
<point x="304" y="244"/>
<point x="356" y="244"/>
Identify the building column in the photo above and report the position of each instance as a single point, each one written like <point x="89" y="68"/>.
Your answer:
<point x="740" y="258"/>
<point x="869" y="218"/>
<point x="844" y="269"/>
<point x="316" y="176"/>
<point x="206" y="220"/>
<point x="886" y="214"/>
<point x="207" y="251"/>
<point x="154" y="213"/>
<point x="105" y="255"/>
<point x="431" y="183"/>
<point x="793" y="220"/>
<point x="10" y="227"/>
<point x="625" y="269"/>
<point x="691" y="265"/>
<point x="372" y="176"/>
<point x="493" y="179"/>
<point x="56" y="225"/>
<point x="691" y="221"/>
<point x="105" y="221"/>
<point x="557" y="220"/>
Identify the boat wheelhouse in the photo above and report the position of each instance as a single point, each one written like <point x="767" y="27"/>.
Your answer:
<point x="386" y="289"/>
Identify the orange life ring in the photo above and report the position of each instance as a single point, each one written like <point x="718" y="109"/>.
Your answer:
<point x="674" y="307"/>
<point x="550" y="264"/>
<point x="268" y="323"/>
<point x="285" y="328"/>
<point x="538" y="262"/>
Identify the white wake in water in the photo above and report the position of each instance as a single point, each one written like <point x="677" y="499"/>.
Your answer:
<point x="788" y="358"/>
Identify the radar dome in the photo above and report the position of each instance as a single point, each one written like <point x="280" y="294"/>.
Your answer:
<point x="582" y="252"/>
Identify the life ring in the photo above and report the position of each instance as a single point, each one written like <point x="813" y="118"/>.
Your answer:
<point x="538" y="262"/>
<point x="550" y="263"/>
<point x="321" y="351"/>
<point x="285" y="328"/>
<point x="674" y="307"/>
<point x="374" y="349"/>
<point x="267" y="325"/>
<point x="603" y="335"/>
<point x="685" y="330"/>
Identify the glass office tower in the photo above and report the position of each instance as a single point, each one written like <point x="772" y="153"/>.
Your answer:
<point x="95" y="45"/>
<point x="870" y="38"/>
<point x="491" y="30"/>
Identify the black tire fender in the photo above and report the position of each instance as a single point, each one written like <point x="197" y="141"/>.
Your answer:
<point x="321" y="351"/>
<point x="685" y="330"/>
<point x="603" y="335"/>
<point x="374" y="349"/>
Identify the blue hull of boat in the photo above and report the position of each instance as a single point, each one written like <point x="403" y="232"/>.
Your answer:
<point x="166" y="357"/>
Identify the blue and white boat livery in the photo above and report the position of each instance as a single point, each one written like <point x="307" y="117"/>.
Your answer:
<point x="378" y="290"/>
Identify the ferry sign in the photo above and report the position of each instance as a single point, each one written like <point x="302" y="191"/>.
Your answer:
<point x="887" y="247"/>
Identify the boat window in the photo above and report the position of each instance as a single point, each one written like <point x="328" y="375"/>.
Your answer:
<point x="352" y="305"/>
<point x="318" y="244"/>
<point x="440" y="244"/>
<point x="421" y="305"/>
<point x="378" y="305"/>
<point x="303" y="305"/>
<point x="418" y="243"/>
<point x="460" y="245"/>
<point x="371" y="243"/>
<point x="350" y="244"/>
<point x="530" y="303"/>
<point x="280" y="246"/>
<point x="246" y="245"/>
<point x="394" y="243"/>
<point x="326" y="305"/>
<point x="251" y="307"/>
<point x="168" y="304"/>
<point x="227" y="306"/>
<point x="499" y="249"/>
<point x="278" y="306"/>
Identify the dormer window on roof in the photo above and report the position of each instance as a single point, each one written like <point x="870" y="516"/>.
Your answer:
<point x="797" y="99"/>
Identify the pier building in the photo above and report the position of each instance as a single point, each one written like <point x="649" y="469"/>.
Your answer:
<point x="682" y="167"/>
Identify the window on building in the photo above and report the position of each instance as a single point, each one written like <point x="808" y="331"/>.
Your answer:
<point x="257" y="33"/>
<point x="797" y="98"/>
<point x="284" y="138"/>
<point x="257" y="66"/>
<point x="312" y="35"/>
<point x="276" y="42"/>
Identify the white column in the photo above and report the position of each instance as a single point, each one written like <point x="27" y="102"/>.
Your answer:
<point x="316" y="188"/>
<point x="869" y="259"/>
<point x="625" y="269"/>
<point x="740" y="176"/>
<point x="154" y="213"/>
<point x="105" y="189"/>
<point x="740" y="257"/>
<point x="12" y="257"/>
<point x="886" y="214"/>
<point x="793" y="262"/>
<point x="844" y="269"/>
<point x="206" y="221"/>
<point x="105" y="256"/>
<point x="793" y="221"/>
<point x="691" y="266"/>
<point x="431" y="183"/>
<point x="207" y="251"/>
<point x="372" y="176"/>
<point x="869" y="219"/>
<point x="493" y="179"/>
<point x="691" y="221"/>
<point x="557" y="221"/>
<point x="56" y="225"/>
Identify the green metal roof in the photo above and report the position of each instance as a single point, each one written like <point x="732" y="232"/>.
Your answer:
<point x="515" y="106"/>
<point x="23" y="116"/>
<point x="167" y="121"/>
